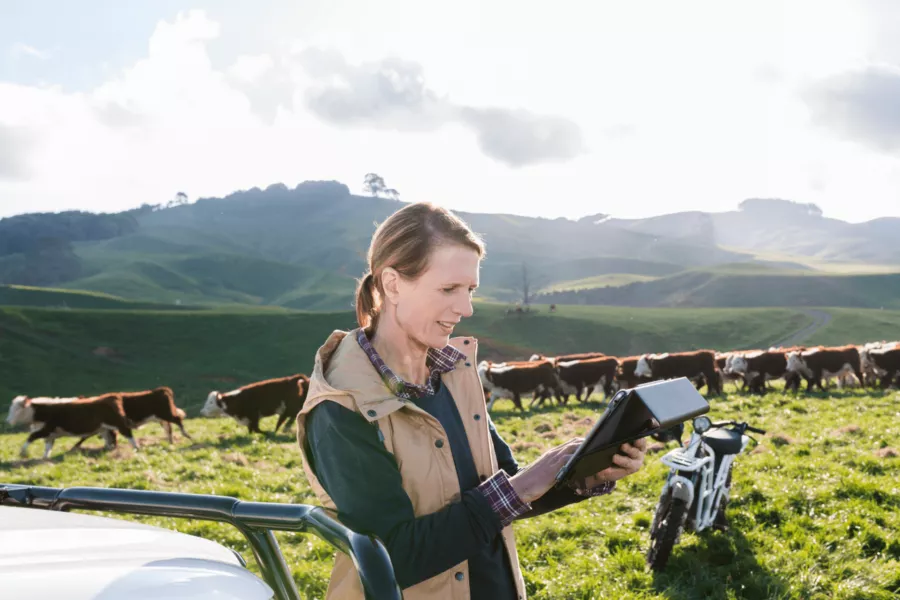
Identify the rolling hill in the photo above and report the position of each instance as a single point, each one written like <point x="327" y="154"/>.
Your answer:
<point x="303" y="248"/>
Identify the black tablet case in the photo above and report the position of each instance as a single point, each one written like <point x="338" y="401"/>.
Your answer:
<point x="628" y="418"/>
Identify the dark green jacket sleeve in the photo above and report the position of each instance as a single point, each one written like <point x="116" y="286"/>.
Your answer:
<point x="363" y="480"/>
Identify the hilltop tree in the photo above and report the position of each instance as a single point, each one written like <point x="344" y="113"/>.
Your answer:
<point x="180" y="199"/>
<point x="374" y="185"/>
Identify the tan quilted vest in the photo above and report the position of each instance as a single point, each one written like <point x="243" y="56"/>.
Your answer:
<point x="343" y="373"/>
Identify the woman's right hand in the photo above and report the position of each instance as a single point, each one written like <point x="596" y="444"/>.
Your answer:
<point x="537" y="478"/>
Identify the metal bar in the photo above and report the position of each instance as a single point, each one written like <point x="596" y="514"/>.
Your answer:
<point x="272" y="564"/>
<point x="255" y="520"/>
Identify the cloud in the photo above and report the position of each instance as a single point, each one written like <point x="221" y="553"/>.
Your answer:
<point x="14" y="146"/>
<point x="518" y="137"/>
<point x="20" y="50"/>
<point x="860" y="105"/>
<point x="392" y="93"/>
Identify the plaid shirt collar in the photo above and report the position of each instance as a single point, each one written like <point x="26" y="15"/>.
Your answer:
<point x="439" y="361"/>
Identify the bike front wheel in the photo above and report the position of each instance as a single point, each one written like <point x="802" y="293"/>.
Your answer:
<point x="668" y="530"/>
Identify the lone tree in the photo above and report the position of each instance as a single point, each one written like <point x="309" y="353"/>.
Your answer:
<point x="180" y="199"/>
<point x="374" y="186"/>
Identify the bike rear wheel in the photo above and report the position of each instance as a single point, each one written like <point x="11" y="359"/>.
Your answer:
<point x="669" y="528"/>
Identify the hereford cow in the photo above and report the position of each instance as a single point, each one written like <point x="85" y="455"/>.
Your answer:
<point x="758" y="368"/>
<point x="625" y="374"/>
<point x="576" y="375"/>
<point x="870" y="369"/>
<point x="247" y="405"/>
<point x="682" y="364"/>
<point x="513" y="379"/>
<point x="570" y="381"/>
<point x="817" y="364"/>
<point x="885" y="363"/>
<point x="723" y="365"/>
<point x="151" y="405"/>
<point x="50" y="418"/>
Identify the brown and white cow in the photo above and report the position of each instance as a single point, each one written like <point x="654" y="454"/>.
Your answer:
<point x="283" y="396"/>
<point x="577" y="379"/>
<point x="50" y="418"/>
<point x="816" y="364"/>
<point x="513" y="379"/>
<point x="870" y="369"/>
<point x="585" y="374"/>
<point x="625" y="375"/>
<point x="723" y="364"/>
<point x="758" y="368"/>
<point x="150" y="405"/>
<point x="682" y="364"/>
<point x="885" y="363"/>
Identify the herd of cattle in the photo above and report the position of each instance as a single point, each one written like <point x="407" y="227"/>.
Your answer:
<point x="542" y="377"/>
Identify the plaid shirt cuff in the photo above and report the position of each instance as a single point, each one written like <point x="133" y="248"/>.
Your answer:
<point x="600" y="490"/>
<point x="503" y="498"/>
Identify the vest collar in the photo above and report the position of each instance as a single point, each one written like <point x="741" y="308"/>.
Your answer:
<point x="342" y="368"/>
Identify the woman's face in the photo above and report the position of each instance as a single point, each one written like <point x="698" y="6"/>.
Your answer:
<point x="430" y="307"/>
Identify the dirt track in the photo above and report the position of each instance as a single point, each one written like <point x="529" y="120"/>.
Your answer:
<point x="820" y="319"/>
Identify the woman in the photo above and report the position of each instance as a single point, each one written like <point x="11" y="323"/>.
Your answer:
<point x="395" y="434"/>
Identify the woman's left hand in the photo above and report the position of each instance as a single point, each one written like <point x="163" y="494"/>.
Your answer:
<point x="627" y="461"/>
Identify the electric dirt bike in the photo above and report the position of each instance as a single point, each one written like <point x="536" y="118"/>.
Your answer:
<point x="697" y="487"/>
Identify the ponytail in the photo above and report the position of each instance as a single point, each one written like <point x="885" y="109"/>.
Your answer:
<point x="366" y="305"/>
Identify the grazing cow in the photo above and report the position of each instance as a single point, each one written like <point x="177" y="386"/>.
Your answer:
<point x="585" y="374"/>
<point x="56" y="417"/>
<point x="283" y="396"/>
<point x="818" y="363"/>
<point x="723" y="365"/>
<point x="625" y="375"/>
<point x="512" y="379"/>
<point x="885" y="363"/>
<point x="758" y="368"/>
<point x="151" y="405"/>
<point x="570" y="384"/>
<point x="682" y="364"/>
<point x="871" y="371"/>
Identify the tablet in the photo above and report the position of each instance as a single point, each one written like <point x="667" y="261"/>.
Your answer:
<point x="629" y="417"/>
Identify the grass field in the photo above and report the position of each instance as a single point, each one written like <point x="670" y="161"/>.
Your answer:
<point x="815" y="510"/>
<point x="856" y="326"/>
<point x="71" y="352"/>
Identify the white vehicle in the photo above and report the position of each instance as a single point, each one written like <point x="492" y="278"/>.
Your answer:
<point x="696" y="491"/>
<point x="51" y="554"/>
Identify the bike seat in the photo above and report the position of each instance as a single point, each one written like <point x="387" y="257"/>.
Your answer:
<point x="723" y="441"/>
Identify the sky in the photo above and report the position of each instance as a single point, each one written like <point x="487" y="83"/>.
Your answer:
<point x="567" y="109"/>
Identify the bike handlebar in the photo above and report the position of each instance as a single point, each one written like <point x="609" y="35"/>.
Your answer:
<point x="742" y="426"/>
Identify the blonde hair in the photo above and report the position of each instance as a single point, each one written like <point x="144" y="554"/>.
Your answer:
<point x="404" y="242"/>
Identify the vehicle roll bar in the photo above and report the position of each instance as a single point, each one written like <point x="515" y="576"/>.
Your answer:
<point x="255" y="520"/>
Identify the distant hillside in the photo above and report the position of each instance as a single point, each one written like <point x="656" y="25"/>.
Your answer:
<point x="772" y="225"/>
<point x="747" y="287"/>
<point x="303" y="248"/>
